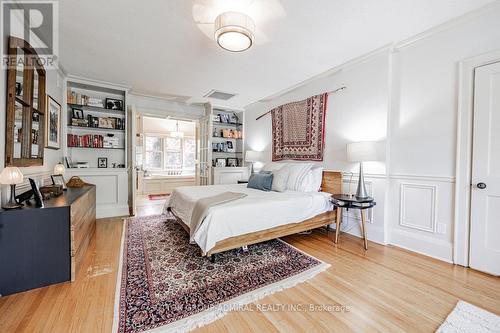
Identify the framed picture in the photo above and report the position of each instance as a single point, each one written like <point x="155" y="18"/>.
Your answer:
<point x="77" y="113"/>
<point x="102" y="162"/>
<point x="106" y="123"/>
<point x="216" y="118"/>
<point x="230" y="147"/>
<point x="232" y="162"/>
<point x="234" y="119"/>
<point x="53" y="124"/>
<point x="59" y="180"/>
<point x="36" y="193"/>
<point x="69" y="162"/>
<point x="220" y="162"/>
<point x="114" y="104"/>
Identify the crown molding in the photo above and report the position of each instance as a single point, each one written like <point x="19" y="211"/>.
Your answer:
<point x="448" y="25"/>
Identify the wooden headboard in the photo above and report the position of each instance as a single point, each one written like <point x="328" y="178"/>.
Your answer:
<point x="332" y="182"/>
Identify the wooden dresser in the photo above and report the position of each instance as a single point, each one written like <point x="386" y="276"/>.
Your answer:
<point x="43" y="246"/>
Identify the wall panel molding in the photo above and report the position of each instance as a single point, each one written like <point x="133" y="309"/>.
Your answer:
<point x="408" y="222"/>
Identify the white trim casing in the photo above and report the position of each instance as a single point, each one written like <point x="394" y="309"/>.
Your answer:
<point x="464" y="153"/>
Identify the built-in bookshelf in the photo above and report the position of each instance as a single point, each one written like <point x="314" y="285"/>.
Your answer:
<point x="95" y="141"/>
<point x="227" y="138"/>
<point x="96" y="126"/>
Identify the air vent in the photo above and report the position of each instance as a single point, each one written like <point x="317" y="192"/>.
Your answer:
<point x="219" y="95"/>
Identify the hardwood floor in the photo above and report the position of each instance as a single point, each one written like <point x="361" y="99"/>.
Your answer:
<point x="386" y="289"/>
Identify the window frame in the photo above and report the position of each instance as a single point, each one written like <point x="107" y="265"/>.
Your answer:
<point x="163" y="142"/>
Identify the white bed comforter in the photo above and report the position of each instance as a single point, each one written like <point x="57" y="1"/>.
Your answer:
<point x="259" y="210"/>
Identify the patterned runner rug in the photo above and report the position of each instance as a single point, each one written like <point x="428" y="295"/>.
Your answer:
<point x="165" y="285"/>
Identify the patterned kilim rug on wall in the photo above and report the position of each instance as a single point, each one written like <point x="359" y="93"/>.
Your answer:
<point x="299" y="129"/>
<point x="164" y="285"/>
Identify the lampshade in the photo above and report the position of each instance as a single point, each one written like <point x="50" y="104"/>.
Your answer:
<point x="253" y="156"/>
<point x="11" y="176"/>
<point x="59" y="169"/>
<point x="234" y="31"/>
<point x="362" y="151"/>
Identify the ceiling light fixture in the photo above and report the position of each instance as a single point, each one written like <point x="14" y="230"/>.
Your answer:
<point x="234" y="31"/>
<point x="177" y="133"/>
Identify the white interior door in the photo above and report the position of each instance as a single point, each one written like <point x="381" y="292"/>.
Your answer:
<point x="204" y="165"/>
<point x="485" y="200"/>
<point x="131" y="158"/>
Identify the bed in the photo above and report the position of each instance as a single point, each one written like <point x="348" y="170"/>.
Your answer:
<point x="258" y="217"/>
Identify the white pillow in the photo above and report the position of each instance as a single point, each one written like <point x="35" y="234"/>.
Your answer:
<point x="306" y="184"/>
<point x="273" y="166"/>
<point x="312" y="181"/>
<point x="280" y="179"/>
<point x="297" y="173"/>
<point x="317" y="177"/>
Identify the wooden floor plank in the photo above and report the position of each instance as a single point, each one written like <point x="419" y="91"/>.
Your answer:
<point x="387" y="289"/>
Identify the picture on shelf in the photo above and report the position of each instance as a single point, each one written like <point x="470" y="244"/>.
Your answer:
<point x="19" y="88"/>
<point x="234" y="119"/>
<point x="77" y="113"/>
<point x="53" y="124"/>
<point x="216" y="118"/>
<point x="232" y="162"/>
<point x="114" y="104"/>
<point x="69" y="162"/>
<point x="220" y="162"/>
<point x="230" y="147"/>
<point x="59" y="180"/>
<point x="106" y="123"/>
<point x="102" y="162"/>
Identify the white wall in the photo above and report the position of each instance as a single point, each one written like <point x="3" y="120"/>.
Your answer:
<point x="423" y="127"/>
<point x="358" y="113"/>
<point x="406" y="96"/>
<point x="54" y="88"/>
<point x="149" y="105"/>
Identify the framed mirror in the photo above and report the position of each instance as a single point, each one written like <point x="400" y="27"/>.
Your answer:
<point x="25" y="126"/>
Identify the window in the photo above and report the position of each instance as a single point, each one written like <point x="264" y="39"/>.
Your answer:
<point x="173" y="153"/>
<point x="154" y="153"/>
<point x="167" y="153"/>
<point x="189" y="154"/>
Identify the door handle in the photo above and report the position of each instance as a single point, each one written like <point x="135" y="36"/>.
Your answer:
<point x="481" y="186"/>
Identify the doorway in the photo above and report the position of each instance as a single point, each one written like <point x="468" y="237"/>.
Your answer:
<point x="484" y="242"/>
<point x="165" y="158"/>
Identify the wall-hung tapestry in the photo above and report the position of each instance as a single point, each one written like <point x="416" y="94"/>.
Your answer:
<point x="299" y="129"/>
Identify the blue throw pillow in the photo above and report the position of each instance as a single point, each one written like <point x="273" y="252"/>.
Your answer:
<point x="261" y="181"/>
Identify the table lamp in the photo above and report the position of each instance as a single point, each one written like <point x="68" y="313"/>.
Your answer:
<point x="11" y="176"/>
<point x="361" y="152"/>
<point x="252" y="156"/>
<point x="59" y="169"/>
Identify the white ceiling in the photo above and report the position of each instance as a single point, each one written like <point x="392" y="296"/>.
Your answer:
<point x="164" y="47"/>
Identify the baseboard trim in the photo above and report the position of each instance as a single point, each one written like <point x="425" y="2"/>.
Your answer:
<point x="431" y="247"/>
<point x="104" y="211"/>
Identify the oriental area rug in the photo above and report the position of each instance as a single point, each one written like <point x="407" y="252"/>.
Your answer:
<point x="165" y="285"/>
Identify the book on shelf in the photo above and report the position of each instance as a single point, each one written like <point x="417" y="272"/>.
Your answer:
<point x="86" y="141"/>
<point x="99" y="122"/>
<point x="74" y="97"/>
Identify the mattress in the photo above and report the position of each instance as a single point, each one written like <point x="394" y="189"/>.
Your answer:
<point x="258" y="211"/>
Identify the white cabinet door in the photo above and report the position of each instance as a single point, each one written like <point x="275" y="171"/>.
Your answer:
<point x="229" y="175"/>
<point x="485" y="201"/>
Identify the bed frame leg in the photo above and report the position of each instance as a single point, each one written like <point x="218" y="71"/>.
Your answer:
<point x="212" y="258"/>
